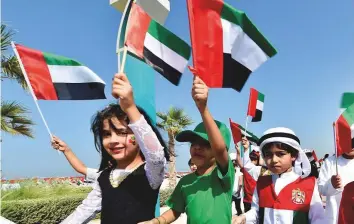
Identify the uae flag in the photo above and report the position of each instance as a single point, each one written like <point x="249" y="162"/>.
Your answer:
<point x="227" y="47"/>
<point x="345" y="131"/>
<point x="255" y="105"/>
<point x="238" y="131"/>
<point x="151" y="42"/>
<point x="54" y="77"/>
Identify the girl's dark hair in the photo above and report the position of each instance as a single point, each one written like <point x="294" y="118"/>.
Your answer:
<point x="114" y="110"/>
<point x="294" y="153"/>
<point x="189" y="162"/>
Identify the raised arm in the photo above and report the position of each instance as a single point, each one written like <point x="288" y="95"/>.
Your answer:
<point x="143" y="132"/>
<point x="200" y="96"/>
<point x="75" y="162"/>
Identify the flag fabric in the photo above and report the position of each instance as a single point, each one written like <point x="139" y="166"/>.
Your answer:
<point x="345" y="211"/>
<point x="255" y="105"/>
<point x="54" y="77"/>
<point x="236" y="128"/>
<point x="314" y="155"/>
<point x="345" y="131"/>
<point x="226" y="46"/>
<point x="347" y="100"/>
<point x="155" y="45"/>
<point x="236" y="131"/>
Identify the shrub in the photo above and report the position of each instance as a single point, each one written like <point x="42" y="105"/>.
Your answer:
<point x="36" y="191"/>
<point x="43" y="210"/>
<point x="48" y="204"/>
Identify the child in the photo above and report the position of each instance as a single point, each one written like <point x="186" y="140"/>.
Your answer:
<point x="237" y="190"/>
<point x="314" y="168"/>
<point x="205" y="195"/>
<point x="125" y="192"/>
<point x="251" y="172"/>
<point x="286" y="196"/>
<point x="333" y="186"/>
<point x="192" y="166"/>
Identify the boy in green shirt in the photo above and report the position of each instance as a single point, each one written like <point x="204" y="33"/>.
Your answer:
<point x="205" y="195"/>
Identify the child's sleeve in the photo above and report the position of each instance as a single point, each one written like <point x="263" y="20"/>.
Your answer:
<point x="176" y="201"/>
<point x="152" y="150"/>
<point x="324" y="180"/>
<point x="91" y="174"/>
<point x="252" y="214"/>
<point x="316" y="213"/>
<point x="88" y="208"/>
<point x="229" y="177"/>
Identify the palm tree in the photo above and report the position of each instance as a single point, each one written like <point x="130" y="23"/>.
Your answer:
<point x="13" y="115"/>
<point x="14" y="119"/>
<point x="173" y="122"/>
<point x="10" y="68"/>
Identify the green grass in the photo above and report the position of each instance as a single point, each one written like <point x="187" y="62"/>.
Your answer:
<point x="30" y="190"/>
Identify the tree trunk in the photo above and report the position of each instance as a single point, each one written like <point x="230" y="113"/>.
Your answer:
<point x="172" y="175"/>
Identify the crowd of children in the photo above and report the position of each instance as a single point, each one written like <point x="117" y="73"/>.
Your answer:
<point x="276" y="180"/>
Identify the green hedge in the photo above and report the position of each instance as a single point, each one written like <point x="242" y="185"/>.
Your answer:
<point x="50" y="210"/>
<point x="44" y="210"/>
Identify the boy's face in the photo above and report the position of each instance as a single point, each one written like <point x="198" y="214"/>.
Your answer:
<point x="245" y="142"/>
<point x="201" y="153"/>
<point x="278" y="160"/>
<point x="255" y="162"/>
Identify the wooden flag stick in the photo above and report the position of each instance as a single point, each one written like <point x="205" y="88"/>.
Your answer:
<point x="121" y="31"/>
<point x="335" y="146"/>
<point x="30" y="88"/>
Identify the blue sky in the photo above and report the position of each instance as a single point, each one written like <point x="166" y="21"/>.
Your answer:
<point x="302" y="84"/>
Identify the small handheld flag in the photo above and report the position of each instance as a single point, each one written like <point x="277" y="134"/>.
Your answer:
<point x="152" y="43"/>
<point x="344" y="131"/>
<point x="226" y="46"/>
<point x="54" y="77"/>
<point x="255" y="105"/>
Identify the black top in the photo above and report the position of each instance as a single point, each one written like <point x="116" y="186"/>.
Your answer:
<point x="131" y="202"/>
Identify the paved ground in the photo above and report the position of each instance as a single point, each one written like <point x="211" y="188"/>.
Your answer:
<point x="181" y="220"/>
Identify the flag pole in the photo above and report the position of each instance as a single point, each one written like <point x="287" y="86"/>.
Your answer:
<point x="244" y="153"/>
<point x="30" y="88"/>
<point x="118" y="47"/>
<point x="123" y="60"/>
<point x="335" y="146"/>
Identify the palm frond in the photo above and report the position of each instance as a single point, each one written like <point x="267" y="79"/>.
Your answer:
<point x="14" y="119"/>
<point x="6" y="37"/>
<point x="174" y="121"/>
<point x="162" y="116"/>
<point x="160" y="125"/>
<point x="10" y="68"/>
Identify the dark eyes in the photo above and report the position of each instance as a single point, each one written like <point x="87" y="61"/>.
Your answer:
<point x="278" y="154"/>
<point x="119" y="133"/>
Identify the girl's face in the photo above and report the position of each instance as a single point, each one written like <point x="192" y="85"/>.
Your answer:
<point x="278" y="160"/>
<point x="193" y="167"/>
<point x="201" y="153"/>
<point x="119" y="140"/>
